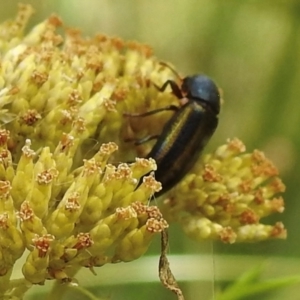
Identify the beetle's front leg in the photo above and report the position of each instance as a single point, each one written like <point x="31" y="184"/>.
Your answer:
<point x="174" y="87"/>
<point x="152" y="112"/>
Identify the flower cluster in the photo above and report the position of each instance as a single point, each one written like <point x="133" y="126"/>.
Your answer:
<point x="66" y="199"/>
<point x="64" y="195"/>
<point x="226" y="195"/>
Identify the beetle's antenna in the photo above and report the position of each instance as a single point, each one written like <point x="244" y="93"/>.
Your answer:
<point x="171" y="68"/>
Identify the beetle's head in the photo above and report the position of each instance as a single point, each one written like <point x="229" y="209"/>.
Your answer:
<point x="201" y="88"/>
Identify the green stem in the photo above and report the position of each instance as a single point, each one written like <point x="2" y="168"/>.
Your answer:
<point x="19" y="287"/>
<point x="59" y="288"/>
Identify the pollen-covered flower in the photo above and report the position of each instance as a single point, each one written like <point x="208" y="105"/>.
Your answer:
<point x="73" y="192"/>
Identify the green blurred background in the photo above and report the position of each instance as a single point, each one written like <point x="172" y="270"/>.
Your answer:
<point x="252" y="50"/>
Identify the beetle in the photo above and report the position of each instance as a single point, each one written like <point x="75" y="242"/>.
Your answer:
<point x="187" y="132"/>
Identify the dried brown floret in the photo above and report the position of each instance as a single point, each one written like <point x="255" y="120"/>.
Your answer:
<point x="43" y="243"/>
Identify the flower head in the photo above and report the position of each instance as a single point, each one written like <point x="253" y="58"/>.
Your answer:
<point x="63" y="196"/>
<point x="226" y="196"/>
<point x="68" y="196"/>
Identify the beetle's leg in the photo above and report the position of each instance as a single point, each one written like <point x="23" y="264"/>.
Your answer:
<point x="174" y="87"/>
<point x="152" y="112"/>
<point x="142" y="140"/>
